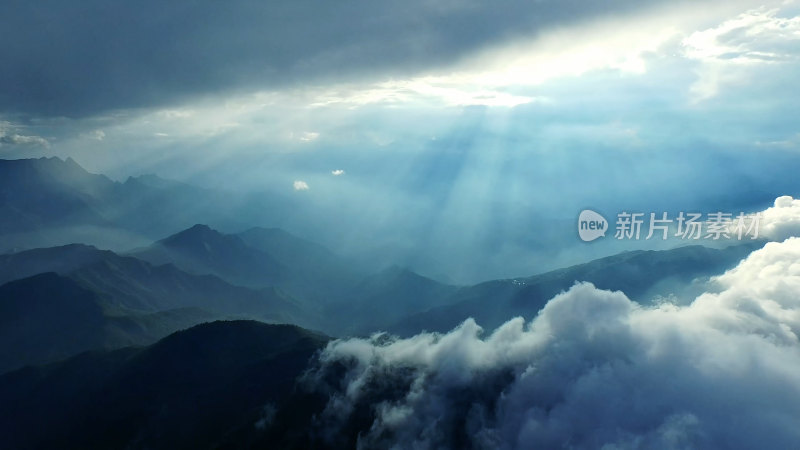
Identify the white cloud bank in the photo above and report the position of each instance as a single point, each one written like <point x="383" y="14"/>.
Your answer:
<point x="782" y="220"/>
<point x="594" y="370"/>
<point x="300" y="185"/>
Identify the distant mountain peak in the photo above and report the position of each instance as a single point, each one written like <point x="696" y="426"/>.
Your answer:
<point x="49" y="277"/>
<point x="56" y="162"/>
<point x="200" y="227"/>
<point x="201" y="249"/>
<point x="197" y="233"/>
<point x="265" y="230"/>
<point x="203" y="241"/>
<point x="49" y="160"/>
<point x="200" y="239"/>
<point x="272" y="233"/>
<point x="78" y="245"/>
<point x="152" y="180"/>
<point x="397" y="271"/>
<point x="232" y="333"/>
<point x="71" y="161"/>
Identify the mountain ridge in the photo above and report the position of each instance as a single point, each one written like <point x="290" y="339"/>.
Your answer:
<point x="637" y="273"/>
<point x="191" y="389"/>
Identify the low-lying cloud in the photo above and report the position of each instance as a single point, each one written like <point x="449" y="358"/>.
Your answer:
<point x="782" y="220"/>
<point x="592" y="370"/>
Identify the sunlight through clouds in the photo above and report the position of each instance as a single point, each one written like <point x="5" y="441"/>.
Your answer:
<point x="514" y="120"/>
<point x="513" y="74"/>
<point x="756" y="37"/>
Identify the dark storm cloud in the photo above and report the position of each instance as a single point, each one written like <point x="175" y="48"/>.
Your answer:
<point x="81" y="58"/>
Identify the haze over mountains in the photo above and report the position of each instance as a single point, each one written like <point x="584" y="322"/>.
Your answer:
<point x="193" y="337"/>
<point x="198" y="273"/>
<point x="645" y="276"/>
<point x="49" y="201"/>
<point x="352" y="225"/>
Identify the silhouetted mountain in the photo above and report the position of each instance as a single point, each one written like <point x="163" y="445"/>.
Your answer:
<point x="151" y="180"/>
<point x="63" y="260"/>
<point x="314" y="272"/>
<point x="138" y="302"/>
<point x="639" y="274"/>
<point x="133" y="284"/>
<point x="155" y="206"/>
<point x="200" y="388"/>
<point x="49" y="201"/>
<point x="215" y="385"/>
<point x="380" y="299"/>
<point x="137" y="284"/>
<point x="260" y="257"/>
<point x="48" y="317"/>
<point x="34" y="309"/>
<point x="287" y="248"/>
<point x="49" y="192"/>
<point x="348" y="302"/>
<point x="200" y="249"/>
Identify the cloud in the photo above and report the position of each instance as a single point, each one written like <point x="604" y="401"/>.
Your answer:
<point x="10" y="137"/>
<point x="450" y="90"/>
<point x="152" y="54"/>
<point x="607" y="43"/>
<point x="18" y="139"/>
<point x="592" y="370"/>
<point x="300" y="185"/>
<point x="490" y="172"/>
<point x="96" y="135"/>
<point x="337" y="172"/>
<point x="754" y="38"/>
<point x="790" y="143"/>
<point x="781" y="220"/>
<point x="308" y="136"/>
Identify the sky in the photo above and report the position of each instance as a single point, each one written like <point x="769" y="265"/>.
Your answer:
<point x="461" y="139"/>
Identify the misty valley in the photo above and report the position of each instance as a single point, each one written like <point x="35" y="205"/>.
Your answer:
<point x="247" y="339"/>
<point x="400" y="225"/>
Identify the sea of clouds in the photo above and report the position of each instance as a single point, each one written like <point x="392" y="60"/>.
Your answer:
<point x="592" y="370"/>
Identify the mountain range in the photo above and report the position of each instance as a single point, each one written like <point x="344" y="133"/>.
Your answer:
<point x="205" y="387"/>
<point x="193" y="277"/>
<point x="185" y="336"/>
<point x="49" y="201"/>
<point x="645" y="276"/>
